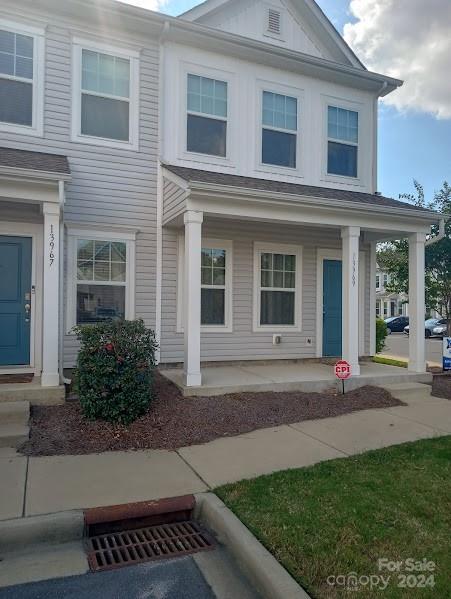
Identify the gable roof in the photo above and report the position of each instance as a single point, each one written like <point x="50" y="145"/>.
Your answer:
<point x="191" y="175"/>
<point x="308" y="10"/>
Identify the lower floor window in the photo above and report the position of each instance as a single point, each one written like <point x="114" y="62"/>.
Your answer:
<point x="216" y="283"/>
<point x="102" y="272"/>
<point x="99" y="302"/>
<point x="278" y="292"/>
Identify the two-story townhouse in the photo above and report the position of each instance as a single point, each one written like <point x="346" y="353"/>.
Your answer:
<point x="214" y="174"/>
<point x="388" y="303"/>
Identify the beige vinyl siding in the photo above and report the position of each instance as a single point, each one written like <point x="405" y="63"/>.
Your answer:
<point x="243" y="343"/>
<point x="109" y="186"/>
<point x="174" y="200"/>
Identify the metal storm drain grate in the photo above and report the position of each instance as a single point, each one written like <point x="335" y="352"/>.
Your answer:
<point x="116" y="549"/>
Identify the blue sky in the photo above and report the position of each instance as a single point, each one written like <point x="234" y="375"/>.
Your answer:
<point x="412" y="143"/>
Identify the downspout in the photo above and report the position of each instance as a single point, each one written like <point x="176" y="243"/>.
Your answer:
<point x="159" y="265"/>
<point x="376" y="135"/>
<point x="441" y="234"/>
<point x="62" y="199"/>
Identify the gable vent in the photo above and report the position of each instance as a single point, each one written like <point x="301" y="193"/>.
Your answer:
<point x="274" y="18"/>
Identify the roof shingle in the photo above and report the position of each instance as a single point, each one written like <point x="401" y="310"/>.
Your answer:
<point x="226" y="179"/>
<point x="35" y="161"/>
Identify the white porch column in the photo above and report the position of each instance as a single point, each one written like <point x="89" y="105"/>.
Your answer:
<point x="50" y="312"/>
<point x="417" y="308"/>
<point x="193" y="246"/>
<point x="350" y="343"/>
<point x="373" y="298"/>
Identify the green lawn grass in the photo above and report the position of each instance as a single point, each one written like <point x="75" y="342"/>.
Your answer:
<point x="390" y="361"/>
<point x="344" y="515"/>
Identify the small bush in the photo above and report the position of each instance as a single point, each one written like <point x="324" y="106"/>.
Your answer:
<point x="381" y="333"/>
<point x="115" y="368"/>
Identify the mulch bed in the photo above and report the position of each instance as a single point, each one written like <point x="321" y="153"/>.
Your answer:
<point x="174" y="421"/>
<point x="441" y="387"/>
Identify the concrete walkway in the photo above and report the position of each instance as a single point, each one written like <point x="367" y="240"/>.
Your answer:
<point x="43" y="485"/>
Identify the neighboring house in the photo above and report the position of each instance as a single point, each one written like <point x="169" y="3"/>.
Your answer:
<point x="214" y="174"/>
<point x="389" y="303"/>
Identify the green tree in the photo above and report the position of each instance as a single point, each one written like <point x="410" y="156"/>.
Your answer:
<point x="393" y="257"/>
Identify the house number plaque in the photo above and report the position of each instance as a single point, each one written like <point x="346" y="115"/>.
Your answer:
<point x="51" y="246"/>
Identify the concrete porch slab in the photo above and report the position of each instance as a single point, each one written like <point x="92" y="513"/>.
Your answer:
<point x="71" y="482"/>
<point x="252" y="454"/>
<point x="308" y="377"/>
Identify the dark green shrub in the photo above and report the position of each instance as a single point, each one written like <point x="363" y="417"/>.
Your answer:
<point x="381" y="333"/>
<point x="115" y="369"/>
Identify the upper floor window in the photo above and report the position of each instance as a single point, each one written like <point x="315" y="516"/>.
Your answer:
<point x="20" y="98"/>
<point x="279" y="129"/>
<point x="343" y="140"/>
<point x="378" y="281"/>
<point x="105" y="107"/>
<point x="385" y="280"/>
<point x="105" y="96"/>
<point x="207" y="116"/>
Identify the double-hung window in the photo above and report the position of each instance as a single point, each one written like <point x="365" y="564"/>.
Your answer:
<point x="213" y="286"/>
<point x="207" y="112"/>
<point x="279" y="129"/>
<point x="216" y="285"/>
<point x="378" y="282"/>
<point x="277" y="274"/>
<point x="21" y="81"/>
<point x="343" y="142"/>
<point x="105" y="96"/>
<point x="101" y="272"/>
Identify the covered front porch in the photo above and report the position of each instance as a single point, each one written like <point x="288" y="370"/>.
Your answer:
<point x="331" y="236"/>
<point x="32" y="191"/>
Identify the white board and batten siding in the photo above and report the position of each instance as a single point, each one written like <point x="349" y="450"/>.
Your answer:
<point x="110" y="186"/>
<point x="243" y="343"/>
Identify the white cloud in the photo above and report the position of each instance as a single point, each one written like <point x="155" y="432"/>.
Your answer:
<point x="409" y="40"/>
<point x="150" y="4"/>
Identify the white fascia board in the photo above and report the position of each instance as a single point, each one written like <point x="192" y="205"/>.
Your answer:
<point x="10" y="172"/>
<point x="220" y="41"/>
<point x="338" y="206"/>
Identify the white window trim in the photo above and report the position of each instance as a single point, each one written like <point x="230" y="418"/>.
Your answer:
<point x="362" y="132"/>
<point x="273" y="248"/>
<point x="73" y="235"/>
<point x="217" y="244"/>
<point x="276" y="88"/>
<point x="210" y="73"/>
<point x="78" y="45"/>
<point x="38" y="35"/>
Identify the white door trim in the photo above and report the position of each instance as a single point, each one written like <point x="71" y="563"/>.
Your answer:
<point x="33" y="230"/>
<point x="336" y="254"/>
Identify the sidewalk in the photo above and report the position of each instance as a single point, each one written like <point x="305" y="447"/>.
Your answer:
<point x="43" y="485"/>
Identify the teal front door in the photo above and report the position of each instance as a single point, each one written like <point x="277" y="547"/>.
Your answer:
<point x="15" y="300"/>
<point x="332" y="302"/>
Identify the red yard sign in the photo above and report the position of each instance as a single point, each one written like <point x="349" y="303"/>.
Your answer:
<point x="342" y="370"/>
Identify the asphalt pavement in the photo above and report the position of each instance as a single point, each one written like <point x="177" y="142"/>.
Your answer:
<point x="397" y="344"/>
<point x="172" y="579"/>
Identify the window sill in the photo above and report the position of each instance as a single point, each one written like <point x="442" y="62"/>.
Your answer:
<point x="207" y="159"/>
<point x="354" y="181"/>
<point x="21" y="129"/>
<point x="211" y="329"/>
<point x="288" y="171"/>
<point x="275" y="329"/>
<point x="107" y="143"/>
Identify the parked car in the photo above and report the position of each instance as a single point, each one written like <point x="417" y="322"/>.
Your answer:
<point x="440" y="330"/>
<point x="429" y="327"/>
<point x="396" y="324"/>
